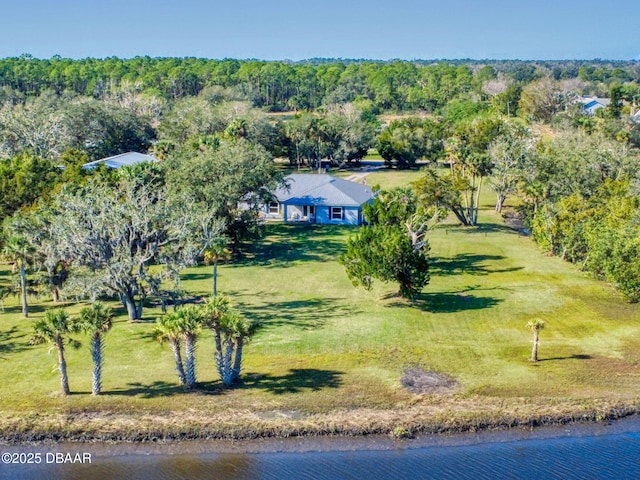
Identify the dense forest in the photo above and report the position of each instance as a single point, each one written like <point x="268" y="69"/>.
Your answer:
<point x="518" y="127"/>
<point x="276" y="86"/>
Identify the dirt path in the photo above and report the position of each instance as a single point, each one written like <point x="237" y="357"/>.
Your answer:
<point x="361" y="176"/>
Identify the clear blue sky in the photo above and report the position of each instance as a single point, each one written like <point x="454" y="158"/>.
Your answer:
<point x="288" y="29"/>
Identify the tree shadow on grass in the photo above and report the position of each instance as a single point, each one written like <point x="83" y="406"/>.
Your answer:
<point x="488" y="228"/>
<point x="33" y="309"/>
<point x="286" y="244"/>
<point x="208" y="275"/>
<point x="450" y="302"/>
<point x="484" y="229"/>
<point x="580" y="356"/>
<point x="470" y="264"/>
<point x="9" y="343"/>
<point x="296" y="381"/>
<point x="305" y="314"/>
<point x="147" y="390"/>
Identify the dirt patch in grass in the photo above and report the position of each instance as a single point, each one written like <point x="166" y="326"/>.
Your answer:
<point x="420" y="381"/>
<point x="514" y="220"/>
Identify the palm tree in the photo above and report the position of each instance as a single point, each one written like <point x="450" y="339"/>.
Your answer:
<point x="54" y="328"/>
<point x="230" y="331"/>
<point x="237" y="331"/>
<point x="535" y="326"/>
<point x="212" y="255"/>
<point x="168" y="329"/>
<point x="191" y="321"/>
<point x="96" y="320"/>
<point x="18" y="251"/>
<point x="214" y="309"/>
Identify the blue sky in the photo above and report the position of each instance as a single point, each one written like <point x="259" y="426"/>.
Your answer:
<point x="287" y="29"/>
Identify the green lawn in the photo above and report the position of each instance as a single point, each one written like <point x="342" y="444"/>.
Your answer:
<point x="325" y="347"/>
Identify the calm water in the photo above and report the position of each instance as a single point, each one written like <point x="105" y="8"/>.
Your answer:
<point x="599" y="456"/>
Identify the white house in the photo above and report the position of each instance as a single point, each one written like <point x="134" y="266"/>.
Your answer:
<point x="122" y="160"/>
<point x="319" y="198"/>
<point x="591" y="104"/>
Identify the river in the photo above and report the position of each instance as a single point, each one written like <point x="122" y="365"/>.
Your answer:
<point x="600" y="451"/>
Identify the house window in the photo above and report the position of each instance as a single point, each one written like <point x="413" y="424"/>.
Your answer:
<point x="274" y="208"/>
<point x="308" y="211"/>
<point x="336" y="213"/>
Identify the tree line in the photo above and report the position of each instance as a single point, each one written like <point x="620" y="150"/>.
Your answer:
<point x="280" y="85"/>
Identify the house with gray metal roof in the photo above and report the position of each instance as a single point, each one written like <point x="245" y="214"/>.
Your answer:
<point x="592" y="104"/>
<point x="122" y="160"/>
<point x="319" y="198"/>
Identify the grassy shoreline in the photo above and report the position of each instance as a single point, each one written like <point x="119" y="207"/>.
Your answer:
<point x="406" y="422"/>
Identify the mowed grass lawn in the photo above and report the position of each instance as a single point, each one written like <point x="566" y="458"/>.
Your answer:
<point x="326" y="346"/>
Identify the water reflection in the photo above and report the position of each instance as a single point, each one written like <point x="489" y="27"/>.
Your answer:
<point x="612" y="455"/>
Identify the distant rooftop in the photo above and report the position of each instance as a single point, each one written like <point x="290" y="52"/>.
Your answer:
<point x="588" y="101"/>
<point x="122" y="160"/>
<point x="322" y="189"/>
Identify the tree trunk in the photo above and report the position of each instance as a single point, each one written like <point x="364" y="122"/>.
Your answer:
<point x="215" y="276"/>
<point x="219" y="356"/>
<point x="500" y="203"/>
<point x="62" y="366"/>
<point x="96" y="354"/>
<point x="534" y="352"/>
<point x="175" y="346"/>
<point x="55" y="295"/>
<point x="459" y="213"/>
<point x="190" y="360"/>
<point x="227" y="371"/>
<point x="237" y="364"/>
<point x="23" y="291"/>
<point x="139" y="309"/>
<point x="130" y="303"/>
<point x="475" y="218"/>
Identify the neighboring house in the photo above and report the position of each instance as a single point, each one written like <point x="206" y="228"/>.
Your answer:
<point x="319" y="198"/>
<point x="591" y="104"/>
<point x="122" y="160"/>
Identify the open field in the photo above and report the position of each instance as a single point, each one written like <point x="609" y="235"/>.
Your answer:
<point x="329" y="357"/>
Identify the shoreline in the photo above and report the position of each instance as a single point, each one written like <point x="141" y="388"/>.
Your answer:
<point x="334" y="443"/>
<point x="320" y="433"/>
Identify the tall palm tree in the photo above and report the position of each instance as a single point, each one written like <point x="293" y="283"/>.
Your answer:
<point x="237" y="331"/>
<point x="96" y="320"/>
<point x="55" y="328"/>
<point x="213" y="310"/>
<point x="535" y="326"/>
<point x="212" y="255"/>
<point x="231" y="331"/>
<point x="190" y="325"/>
<point x="168" y="329"/>
<point x="19" y="251"/>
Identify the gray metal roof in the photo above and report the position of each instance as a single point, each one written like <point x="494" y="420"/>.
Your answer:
<point x="595" y="100"/>
<point x="122" y="160"/>
<point x="322" y="189"/>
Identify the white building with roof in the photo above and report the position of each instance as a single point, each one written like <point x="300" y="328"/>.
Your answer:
<point x="122" y="160"/>
<point x="592" y="104"/>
